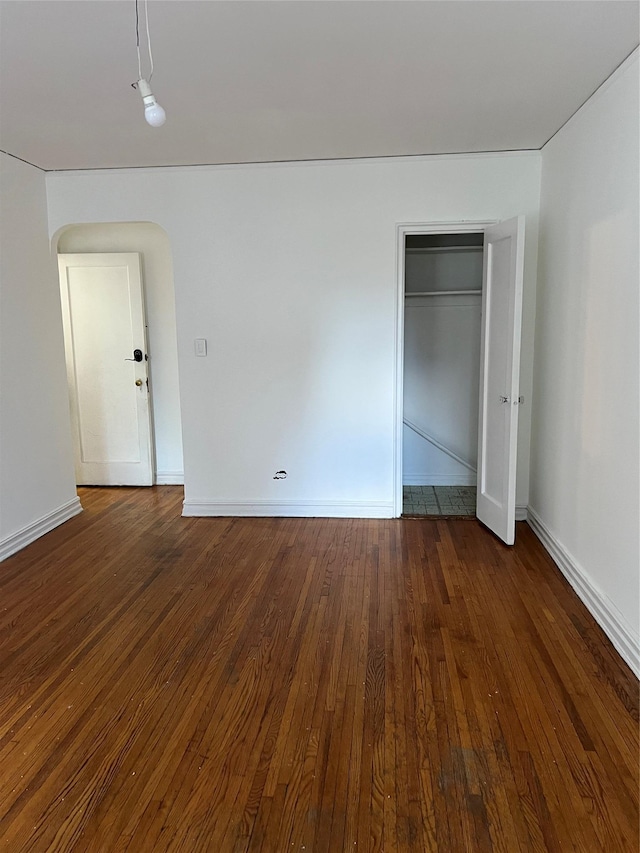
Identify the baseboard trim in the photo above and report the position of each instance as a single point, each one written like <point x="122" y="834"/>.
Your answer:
<point x="439" y="479"/>
<point x="19" y="540"/>
<point x="522" y="513"/>
<point x="290" y="509"/>
<point x="170" y="478"/>
<point x="597" y="603"/>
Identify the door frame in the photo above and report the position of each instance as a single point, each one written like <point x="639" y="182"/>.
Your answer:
<point x="405" y="229"/>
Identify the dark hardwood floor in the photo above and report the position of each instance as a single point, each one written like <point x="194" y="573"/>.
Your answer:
<point x="222" y="685"/>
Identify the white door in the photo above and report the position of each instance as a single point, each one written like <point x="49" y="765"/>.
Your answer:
<point x="499" y="372"/>
<point x="104" y="326"/>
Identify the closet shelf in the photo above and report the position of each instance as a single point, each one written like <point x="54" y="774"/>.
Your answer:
<point x="439" y="249"/>
<point x="445" y="293"/>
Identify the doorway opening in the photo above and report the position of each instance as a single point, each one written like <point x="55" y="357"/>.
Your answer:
<point x="498" y="377"/>
<point x="121" y="352"/>
<point x="442" y="327"/>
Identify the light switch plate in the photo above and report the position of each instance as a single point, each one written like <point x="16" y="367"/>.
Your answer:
<point x="201" y="346"/>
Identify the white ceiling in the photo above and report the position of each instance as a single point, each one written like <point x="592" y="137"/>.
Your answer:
<point x="246" y="81"/>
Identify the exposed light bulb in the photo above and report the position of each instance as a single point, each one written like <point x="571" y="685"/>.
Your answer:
<point x="153" y="112"/>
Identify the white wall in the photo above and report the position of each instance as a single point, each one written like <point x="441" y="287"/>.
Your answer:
<point x="289" y="271"/>
<point x="423" y="464"/>
<point x="36" y="466"/>
<point x="584" y="461"/>
<point x="153" y="244"/>
<point x="441" y="367"/>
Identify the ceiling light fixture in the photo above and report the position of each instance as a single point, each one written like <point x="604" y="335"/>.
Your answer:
<point x="153" y="112"/>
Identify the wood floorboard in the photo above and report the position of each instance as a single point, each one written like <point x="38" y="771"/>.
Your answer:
<point x="232" y="685"/>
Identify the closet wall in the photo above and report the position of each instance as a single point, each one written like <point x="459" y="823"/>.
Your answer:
<point x="443" y="285"/>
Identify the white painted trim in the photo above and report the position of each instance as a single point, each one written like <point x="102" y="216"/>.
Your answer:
<point x="398" y="384"/>
<point x="606" y="614"/>
<point x="402" y="230"/>
<point x="290" y="509"/>
<point x="170" y="478"/>
<point x="439" y="479"/>
<point x="27" y="535"/>
<point x="522" y="513"/>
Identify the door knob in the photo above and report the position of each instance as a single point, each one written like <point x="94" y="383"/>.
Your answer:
<point x="138" y="382"/>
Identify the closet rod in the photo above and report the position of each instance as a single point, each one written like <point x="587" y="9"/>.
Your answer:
<point x="445" y="293"/>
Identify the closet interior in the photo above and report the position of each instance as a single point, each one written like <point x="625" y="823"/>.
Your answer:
<point x="443" y="296"/>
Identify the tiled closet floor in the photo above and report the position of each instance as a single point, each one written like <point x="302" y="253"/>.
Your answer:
<point x="439" y="500"/>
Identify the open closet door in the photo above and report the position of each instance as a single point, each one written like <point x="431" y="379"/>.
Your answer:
<point x="499" y="376"/>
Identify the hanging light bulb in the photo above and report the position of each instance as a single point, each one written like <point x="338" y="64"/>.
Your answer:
<point x="153" y="112"/>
